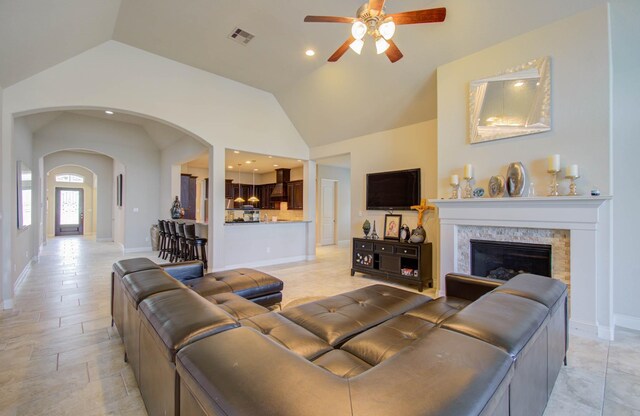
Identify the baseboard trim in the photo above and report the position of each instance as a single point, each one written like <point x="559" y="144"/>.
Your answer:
<point x="269" y="262"/>
<point x="588" y="330"/>
<point x="627" y="321"/>
<point x="23" y="274"/>
<point x="136" y="249"/>
<point x="104" y="239"/>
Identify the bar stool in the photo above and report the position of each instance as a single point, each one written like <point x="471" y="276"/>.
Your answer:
<point x="198" y="245"/>
<point x="174" y="241"/>
<point x="182" y="244"/>
<point x="162" y="242"/>
<point x="167" y="240"/>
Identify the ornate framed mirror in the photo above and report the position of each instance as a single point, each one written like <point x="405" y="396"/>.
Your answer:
<point x="514" y="103"/>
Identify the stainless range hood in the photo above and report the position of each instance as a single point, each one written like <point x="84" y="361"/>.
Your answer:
<point x="282" y="178"/>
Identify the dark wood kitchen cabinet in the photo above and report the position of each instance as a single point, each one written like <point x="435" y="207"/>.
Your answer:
<point x="188" y="195"/>
<point x="295" y="194"/>
<point x="228" y="188"/>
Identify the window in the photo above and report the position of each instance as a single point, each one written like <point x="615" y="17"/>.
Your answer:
<point x="70" y="178"/>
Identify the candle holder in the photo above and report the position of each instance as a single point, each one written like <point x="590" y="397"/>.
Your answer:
<point x="553" y="188"/>
<point x="572" y="185"/>
<point x="455" y="191"/>
<point x="468" y="189"/>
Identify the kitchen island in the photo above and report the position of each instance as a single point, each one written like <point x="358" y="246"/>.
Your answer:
<point x="255" y="244"/>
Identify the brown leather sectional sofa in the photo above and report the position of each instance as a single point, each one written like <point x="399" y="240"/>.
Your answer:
<point x="486" y="348"/>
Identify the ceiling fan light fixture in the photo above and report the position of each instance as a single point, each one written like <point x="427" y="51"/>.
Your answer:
<point x="387" y="28"/>
<point x="357" y="45"/>
<point x="381" y="45"/>
<point x="358" y="29"/>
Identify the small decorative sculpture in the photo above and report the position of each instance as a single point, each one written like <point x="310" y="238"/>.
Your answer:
<point x="176" y="209"/>
<point x="418" y="235"/>
<point x="478" y="192"/>
<point x="405" y="233"/>
<point x="374" y="234"/>
<point x="366" y="227"/>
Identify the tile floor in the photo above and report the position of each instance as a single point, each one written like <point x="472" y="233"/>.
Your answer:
<point x="60" y="356"/>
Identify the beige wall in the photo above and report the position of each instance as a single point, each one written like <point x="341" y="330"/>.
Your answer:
<point x="413" y="146"/>
<point x="578" y="47"/>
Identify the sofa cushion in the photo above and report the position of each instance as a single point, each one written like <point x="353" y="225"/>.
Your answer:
<point x="180" y="317"/>
<point x="248" y="283"/>
<point x="542" y="289"/>
<point x="385" y="340"/>
<point x="244" y="373"/>
<point x="288" y="334"/>
<point x="127" y="266"/>
<point x="342" y="363"/>
<point x="437" y="310"/>
<point x="142" y="284"/>
<point x="442" y="373"/>
<point x="337" y="318"/>
<point x="237" y="306"/>
<point x="503" y="320"/>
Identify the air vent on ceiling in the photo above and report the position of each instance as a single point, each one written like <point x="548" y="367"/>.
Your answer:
<point x="241" y="36"/>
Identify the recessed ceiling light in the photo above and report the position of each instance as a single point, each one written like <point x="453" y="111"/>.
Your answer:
<point x="248" y="162"/>
<point x="270" y="157"/>
<point x="255" y="169"/>
<point x="276" y="165"/>
<point x="229" y="167"/>
<point x="236" y="151"/>
<point x="108" y="112"/>
<point x="310" y="52"/>
<point x="299" y="160"/>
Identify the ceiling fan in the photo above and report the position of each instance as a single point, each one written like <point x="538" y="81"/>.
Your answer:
<point x="371" y="19"/>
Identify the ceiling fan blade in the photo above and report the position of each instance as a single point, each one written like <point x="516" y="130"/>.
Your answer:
<point x="392" y="52"/>
<point x="341" y="50"/>
<point x="420" y="16"/>
<point x="329" y="19"/>
<point x="376" y="5"/>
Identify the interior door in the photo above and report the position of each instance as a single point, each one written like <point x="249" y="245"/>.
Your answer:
<point x="69" y="211"/>
<point x="328" y="212"/>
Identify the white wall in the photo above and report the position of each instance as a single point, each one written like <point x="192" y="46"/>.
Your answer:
<point x="342" y="177"/>
<point x="102" y="166"/>
<point x="625" y="33"/>
<point x="128" y="144"/>
<point x="171" y="159"/>
<point x="5" y="256"/>
<point x="413" y="146"/>
<point x="578" y="47"/>
<point x="24" y="241"/>
<point x="88" y="197"/>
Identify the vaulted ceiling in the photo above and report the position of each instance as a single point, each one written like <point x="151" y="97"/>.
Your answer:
<point x="327" y="102"/>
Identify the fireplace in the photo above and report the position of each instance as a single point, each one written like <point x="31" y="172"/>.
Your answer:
<point x="504" y="260"/>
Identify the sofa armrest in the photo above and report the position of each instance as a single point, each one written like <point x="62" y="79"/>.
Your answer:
<point x="186" y="270"/>
<point x="469" y="287"/>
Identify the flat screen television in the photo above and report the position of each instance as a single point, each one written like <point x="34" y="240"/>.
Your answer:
<point x="397" y="190"/>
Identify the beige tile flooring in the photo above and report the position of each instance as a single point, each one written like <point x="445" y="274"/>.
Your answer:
<point x="60" y="356"/>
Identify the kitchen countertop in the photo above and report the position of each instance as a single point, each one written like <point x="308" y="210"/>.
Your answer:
<point x="266" y="223"/>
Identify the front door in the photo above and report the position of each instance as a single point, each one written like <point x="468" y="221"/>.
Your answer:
<point x="69" y="211"/>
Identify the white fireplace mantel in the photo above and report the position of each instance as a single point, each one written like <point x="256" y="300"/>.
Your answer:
<point x="586" y="218"/>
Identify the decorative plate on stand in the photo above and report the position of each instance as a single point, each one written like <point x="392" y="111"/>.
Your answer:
<point x="496" y="187"/>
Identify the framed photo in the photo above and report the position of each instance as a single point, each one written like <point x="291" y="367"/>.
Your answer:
<point x="392" y="226"/>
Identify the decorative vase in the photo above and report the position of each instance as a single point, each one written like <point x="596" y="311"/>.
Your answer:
<point x="366" y="227"/>
<point x="405" y="233"/>
<point x="516" y="178"/>
<point x="418" y="235"/>
<point x="176" y="209"/>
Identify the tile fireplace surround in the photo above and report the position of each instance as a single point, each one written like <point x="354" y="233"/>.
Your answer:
<point x="586" y="220"/>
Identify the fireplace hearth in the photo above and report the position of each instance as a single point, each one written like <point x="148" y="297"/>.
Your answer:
<point x="504" y="260"/>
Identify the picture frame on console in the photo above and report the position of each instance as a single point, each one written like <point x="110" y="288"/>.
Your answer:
<point x="392" y="226"/>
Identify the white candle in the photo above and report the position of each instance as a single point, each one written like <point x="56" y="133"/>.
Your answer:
<point x="468" y="171"/>
<point x="572" y="171"/>
<point x="554" y="163"/>
<point x="454" y="180"/>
